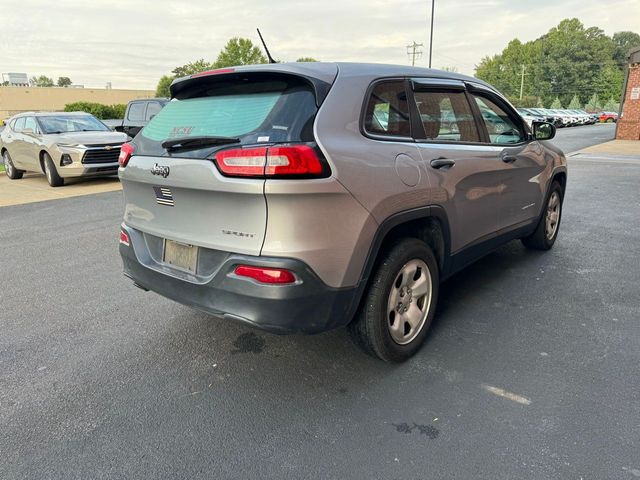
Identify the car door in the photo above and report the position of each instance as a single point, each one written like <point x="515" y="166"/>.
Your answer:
<point x="465" y="174"/>
<point x="31" y="144"/>
<point x="15" y="144"/>
<point x="522" y="158"/>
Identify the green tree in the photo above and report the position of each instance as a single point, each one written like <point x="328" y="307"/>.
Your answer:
<point x="556" y="104"/>
<point x="41" y="81"/>
<point x="539" y="103"/>
<point x="306" y="59"/>
<point x="201" y="65"/>
<point x="624" y="41"/>
<point x="593" y="105"/>
<point x="191" y="68"/>
<point x="527" y="101"/>
<point x="611" y="106"/>
<point x="575" y="103"/>
<point x="569" y="59"/>
<point x="162" y="90"/>
<point x="239" y="51"/>
<point x="64" y="81"/>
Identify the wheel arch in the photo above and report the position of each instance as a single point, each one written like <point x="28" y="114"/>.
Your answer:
<point x="429" y="224"/>
<point x="561" y="178"/>
<point x="41" y="158"/>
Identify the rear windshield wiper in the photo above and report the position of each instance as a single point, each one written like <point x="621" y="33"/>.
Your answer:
<point x="195" y="142"/>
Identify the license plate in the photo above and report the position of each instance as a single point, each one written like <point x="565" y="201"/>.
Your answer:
<point x="181" y="255"/>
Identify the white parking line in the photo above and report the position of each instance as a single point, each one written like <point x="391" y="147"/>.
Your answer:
<point x="514" y="397"/>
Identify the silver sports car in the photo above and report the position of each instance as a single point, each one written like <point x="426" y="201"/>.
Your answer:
<point x="60" y="145"/>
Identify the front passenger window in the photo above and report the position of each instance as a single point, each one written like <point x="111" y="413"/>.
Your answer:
<point x="30" y="123"/>
<point x="500" y="127"/>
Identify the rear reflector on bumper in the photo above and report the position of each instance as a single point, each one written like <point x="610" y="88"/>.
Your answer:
<point x="276" y="276"/>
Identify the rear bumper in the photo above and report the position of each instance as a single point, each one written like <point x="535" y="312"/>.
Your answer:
<point x="308" y="306"/>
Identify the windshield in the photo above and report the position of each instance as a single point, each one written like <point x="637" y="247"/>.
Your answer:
<point x="71" y="123"/>
<point x="260" y="110"/>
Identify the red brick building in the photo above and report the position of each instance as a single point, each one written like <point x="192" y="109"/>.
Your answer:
<point x="629" y="123"/>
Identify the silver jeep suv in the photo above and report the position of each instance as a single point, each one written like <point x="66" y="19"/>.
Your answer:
<point x="305" y="197"/>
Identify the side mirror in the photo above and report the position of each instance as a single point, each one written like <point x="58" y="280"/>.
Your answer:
<point x="543" y="130"/>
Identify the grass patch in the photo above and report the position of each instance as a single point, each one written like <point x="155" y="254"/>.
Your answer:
<point x="1" y="167"/>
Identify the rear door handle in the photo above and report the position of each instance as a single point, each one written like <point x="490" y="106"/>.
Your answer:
<point x="506" y="158"/>
<point x="442" y="162"/>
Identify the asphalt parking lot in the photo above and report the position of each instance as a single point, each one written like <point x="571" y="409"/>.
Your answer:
<point x="530" y="372"/>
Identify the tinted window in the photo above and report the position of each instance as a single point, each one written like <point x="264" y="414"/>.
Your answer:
<point x="387" y="110"/>
<point x="136" y="112"/>
<point x="30" y="122"/>
<point x="19" y="125"/>
<point x="152" y="110"/>
<point x="262" y="109"/>
<point x="446" y="116"/>
<point x="501" y="128"/>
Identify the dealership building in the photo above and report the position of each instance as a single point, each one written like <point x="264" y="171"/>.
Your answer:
<point x="629" y="122"/>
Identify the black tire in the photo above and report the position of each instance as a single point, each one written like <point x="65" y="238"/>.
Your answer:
<point x="12" y="172"/>
<point x="540" y="239"/>
<point x="371" y="329"/>
<point x="50" y="171"/>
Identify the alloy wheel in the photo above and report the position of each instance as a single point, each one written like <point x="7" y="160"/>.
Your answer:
<point x="7" y="164"/>
<point x="553" y="215"/>
<point x="409" y="301"/>
<point x="47" y="171"/>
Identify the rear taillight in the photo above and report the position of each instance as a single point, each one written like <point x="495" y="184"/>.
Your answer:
<point x="242" y="162"/>
<point x="277" y="276"/>
<point x="126" y="150"/>
<point x="277" y="161"/>
<point x="124" y="238"/>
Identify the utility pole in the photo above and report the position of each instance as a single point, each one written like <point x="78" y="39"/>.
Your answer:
<point x="433" y="7"/>
<point x="413" y="53"/>
<point x="522" y="75"/>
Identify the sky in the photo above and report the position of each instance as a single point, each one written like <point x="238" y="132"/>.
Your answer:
<point x="133" y="43"/>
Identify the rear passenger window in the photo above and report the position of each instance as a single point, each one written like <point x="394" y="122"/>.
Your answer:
<point x="136" y="112"/>
<point x="501" y="128"/>
<point x="446" y="116"/>
<point x="387" y="110"/>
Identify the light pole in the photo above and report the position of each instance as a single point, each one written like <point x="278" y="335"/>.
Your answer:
<point x="433" y="6"/>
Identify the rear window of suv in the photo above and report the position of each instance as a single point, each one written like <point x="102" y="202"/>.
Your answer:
<point x="255" y="110"/>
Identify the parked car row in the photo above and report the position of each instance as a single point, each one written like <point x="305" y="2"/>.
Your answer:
<point x="560" y="118"/>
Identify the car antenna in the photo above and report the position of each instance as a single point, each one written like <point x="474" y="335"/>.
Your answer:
<point x="271" y="60"/>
